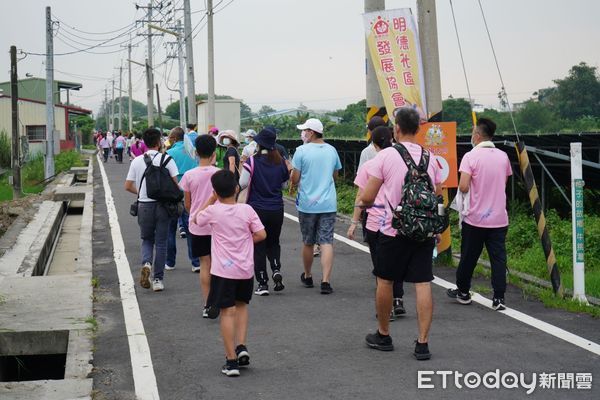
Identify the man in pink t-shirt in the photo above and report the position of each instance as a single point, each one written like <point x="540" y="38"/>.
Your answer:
<point x="197" y="190"/>
<point x="399" y="257"/>
<point x="483" y="175"/>
<point x="235" y="227"/>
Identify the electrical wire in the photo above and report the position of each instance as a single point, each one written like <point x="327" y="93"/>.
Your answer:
<point x="222" y="8"/>
<point x="503" y="92"/>
<point x="462" y="59"/>
<point x="92" y="33"/>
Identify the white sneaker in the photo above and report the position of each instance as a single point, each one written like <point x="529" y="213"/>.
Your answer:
<point x="169" y="268"/>
<point x="195" y="269"/>
<point x="158" y="285"/>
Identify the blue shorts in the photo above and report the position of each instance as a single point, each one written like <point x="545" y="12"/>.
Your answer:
<point x="317" y="228"/>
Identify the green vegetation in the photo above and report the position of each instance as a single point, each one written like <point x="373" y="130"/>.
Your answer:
<point x="93" y="323"/>
<point x="5" y="150"/>
<point x="95" y="282"/>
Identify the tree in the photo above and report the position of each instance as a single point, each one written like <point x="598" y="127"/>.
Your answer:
<point x="458" y="110"/>
<point x="536" y="117"/>
<point x="578" y="94"/>
<point x="266" y="110"/>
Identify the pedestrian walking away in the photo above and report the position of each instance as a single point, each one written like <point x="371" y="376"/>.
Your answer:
<point x="197" y="190"/>
<point x="401" y="258"/>
<point x="138" y="146"/>
<point x="234" y="228"/>
<point x="265" y="175"/>
<point x="373" y="219"/>
<point x="316" y="165"/>
<point x="120" y="144"/>
<point x="184" y="163"/>
<point x="153" y="216"/>
<point x="231" y="159"/>
<point x="484" y="172"/>
<point x="104" y="145"/>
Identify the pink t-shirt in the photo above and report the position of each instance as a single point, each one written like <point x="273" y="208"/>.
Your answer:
<point x="375" y="215"/>
<point x="389" y="166"/>
<point x="489" y="167"/>
<point x="138" y="148"/>
<point x="232" y="248"/>
<point x="196" y="181"/>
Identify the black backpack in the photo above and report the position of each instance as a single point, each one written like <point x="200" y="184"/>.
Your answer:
<point x="159" y="183"/>
<point x="418" y="215"/>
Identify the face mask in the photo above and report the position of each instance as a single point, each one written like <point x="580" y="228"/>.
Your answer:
<point x="472" y="142"/>
<point x="226" y="141"/>
<point x="303" y="137"/>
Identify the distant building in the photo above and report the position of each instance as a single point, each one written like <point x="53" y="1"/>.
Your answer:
<point x="292" y="112"/>
<point x="32" y="113"/>
<point x="227" y="114"/>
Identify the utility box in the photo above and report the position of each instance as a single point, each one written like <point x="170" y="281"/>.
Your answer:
<point x="227" y="115"/>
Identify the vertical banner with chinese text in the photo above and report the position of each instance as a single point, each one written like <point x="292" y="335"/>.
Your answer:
<point x="393" y="42"/>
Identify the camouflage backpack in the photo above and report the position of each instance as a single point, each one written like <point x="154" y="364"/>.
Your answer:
<point x="417" y="216"/>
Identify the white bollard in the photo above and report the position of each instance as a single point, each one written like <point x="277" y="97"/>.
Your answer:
<point x="577" y="224"/>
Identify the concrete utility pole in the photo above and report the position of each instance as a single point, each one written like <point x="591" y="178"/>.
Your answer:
<point x="428" y="38"/>
<point x="129" y="90"/>
<point x="49" y="161"/>
<point x="211" y="66"/>
<point x="112" y="107"/>
<point x="121" y="96"/>
<point x="14" y="94"/>
<point x="106" y="108"/>
<point x="182" y="121"/>
<point x="375" y="101"/>
<point x="159" y="111"/>
<point x="189" y="51"/>
<point x="149" y="70"/>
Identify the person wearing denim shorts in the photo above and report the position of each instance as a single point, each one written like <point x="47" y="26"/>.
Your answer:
<point x="316" y="165"/>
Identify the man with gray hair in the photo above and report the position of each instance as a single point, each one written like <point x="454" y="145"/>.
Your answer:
<point x="399" y="257"/>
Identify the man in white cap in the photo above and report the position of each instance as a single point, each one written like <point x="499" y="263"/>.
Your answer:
<point x="316" y="165"/>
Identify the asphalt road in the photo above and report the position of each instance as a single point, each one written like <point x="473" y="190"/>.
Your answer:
<point x="304" y="345"/>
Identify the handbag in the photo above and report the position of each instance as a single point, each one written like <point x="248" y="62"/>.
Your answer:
<point x="244" y="195"/>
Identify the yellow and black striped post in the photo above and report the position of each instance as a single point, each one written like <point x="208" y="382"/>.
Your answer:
<point x="540" y="218"/>
<point x="373" y="111"/>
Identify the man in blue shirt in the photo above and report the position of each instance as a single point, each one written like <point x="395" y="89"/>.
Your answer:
<point x="316" y="165"/>
<point x="184" y="163"/>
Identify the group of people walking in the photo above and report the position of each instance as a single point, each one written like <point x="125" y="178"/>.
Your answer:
<point x="233" y="212"/>
<point x="115" y="143"/>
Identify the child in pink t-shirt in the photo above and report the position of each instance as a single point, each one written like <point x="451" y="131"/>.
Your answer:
<point x="235" y="227"/>
<point x="197" y="190"/>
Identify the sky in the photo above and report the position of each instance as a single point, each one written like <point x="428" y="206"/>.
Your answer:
<point x="285" y="52"/>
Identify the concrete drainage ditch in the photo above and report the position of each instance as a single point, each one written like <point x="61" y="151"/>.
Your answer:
<point x="46" y="315"/>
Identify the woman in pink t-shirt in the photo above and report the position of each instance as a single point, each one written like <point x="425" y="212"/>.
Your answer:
<point x="138" y="147"/>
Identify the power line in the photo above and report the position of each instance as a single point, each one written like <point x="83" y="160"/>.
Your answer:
<point x="92" y="33"/>
<point x="224" y="7"/>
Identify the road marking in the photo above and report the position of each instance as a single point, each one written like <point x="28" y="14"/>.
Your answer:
<point x="519" y="316"/>
<point x="144" y="379"/>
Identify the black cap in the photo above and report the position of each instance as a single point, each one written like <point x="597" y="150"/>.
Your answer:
<point x="375" y="122"/>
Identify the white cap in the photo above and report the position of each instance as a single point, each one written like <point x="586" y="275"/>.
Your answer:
<point x="249" y="133"/>
<point x="313" y="124"/>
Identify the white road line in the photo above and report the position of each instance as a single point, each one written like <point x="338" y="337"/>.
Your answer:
<point x="519" y="316"/>
<point x="144" y="379"/>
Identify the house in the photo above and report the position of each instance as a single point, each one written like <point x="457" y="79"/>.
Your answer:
<point x="32" y="113"/>
<point x="227" y="114"/>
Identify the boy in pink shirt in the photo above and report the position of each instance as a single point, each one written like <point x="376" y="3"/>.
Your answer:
<point x="483" y="175"/>
<point x="197" y="190"/>
<point x="234" y="228"/>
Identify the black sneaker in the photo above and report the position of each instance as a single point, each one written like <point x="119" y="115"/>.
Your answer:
<point x="278" y="279"/>
<point x="379" y="342"/>
<point x="262" y="290"/>
<point x="308" y="282"/>
<point x="398" y="307"/>
<point x="421" y="351"/>
<point x="231" y="368"/>
<point x="462" y="298"/>
<point x="498" y="304"/>
<point x="326" y="288"/>
<point x="243" y="357"/>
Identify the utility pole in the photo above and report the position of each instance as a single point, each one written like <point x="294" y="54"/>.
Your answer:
<point x="182" y="121"/>
<point x="49" y="162"/>
<point x="149" y="71"/>
<point x="106" y="107"/>
<point x="189" y="51"/>
<point x="159" y="112"/>
<point x="14" y="93"/>
<point x="129" y="90"/>
<point x="211" y="66"/>
<point x="121" y="96"/>
<point x="428" y="38"/>
<point x="112" y="107"/>
<point x="375" y="104"/>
